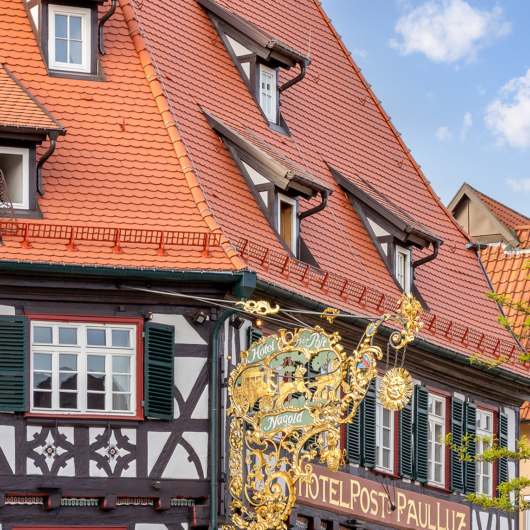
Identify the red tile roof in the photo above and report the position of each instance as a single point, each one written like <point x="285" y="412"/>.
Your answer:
<point x="508" y="217"/>
<point x="19" y="109"/>
<point x="524" y="411"/>
<point x="508" y="278"/>
<point x="118" y="167"/>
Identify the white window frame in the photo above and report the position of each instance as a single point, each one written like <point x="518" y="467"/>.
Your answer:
<point x="83" y="350"/>
<point x="86" y="15"/>
<point x="24" y="205"/>
<point x="480" y="449"/>
<point x="400" y="251"/>
<point x="269" y="71"/>
<point x="437" y="420"/>
<point x="379" y="433"/>
<point x="527" y="514"/>
<point x="294" y="232"/>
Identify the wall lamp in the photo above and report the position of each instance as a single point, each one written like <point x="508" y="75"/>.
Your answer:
<point x="258" y="323"/>
<point x="237" y="322"/>
<point x="199" y="317"/>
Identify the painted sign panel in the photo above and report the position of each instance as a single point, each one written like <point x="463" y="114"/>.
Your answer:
<point x="365" y="499"/>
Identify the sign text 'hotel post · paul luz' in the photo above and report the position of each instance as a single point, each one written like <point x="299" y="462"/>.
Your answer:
<point x="289" y="395"/>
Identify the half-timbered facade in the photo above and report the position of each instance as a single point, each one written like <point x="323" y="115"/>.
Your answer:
<point x="164" y="160"/>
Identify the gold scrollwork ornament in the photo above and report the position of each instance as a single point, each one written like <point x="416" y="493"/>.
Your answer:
<point x="260" y="307"/>
<point x="395" y="389"/>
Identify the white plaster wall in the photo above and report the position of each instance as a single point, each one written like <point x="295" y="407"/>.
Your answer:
<point x="199" y="442"/>
<point x="7" y="310"/>
<point x="185" y="333"/>
<point x="187" y="370"/>
<point x="155" y="443"/>
<point x="7" y="444"/>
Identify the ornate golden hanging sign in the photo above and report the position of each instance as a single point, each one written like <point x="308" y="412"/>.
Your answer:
<point x="289" y="395"/>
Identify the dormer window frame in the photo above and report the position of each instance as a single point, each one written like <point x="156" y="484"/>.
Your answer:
<point x="265" y="73"/>
<point x="42" y="21"/>
<point x="24" y="152"/>
<point x="250" y="47"/>
<point x="55" y="10"/>
<point x="403" y="267"/>
<point x="294" y="228"/>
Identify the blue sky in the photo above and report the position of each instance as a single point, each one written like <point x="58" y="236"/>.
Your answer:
<point x="454" y="75"/>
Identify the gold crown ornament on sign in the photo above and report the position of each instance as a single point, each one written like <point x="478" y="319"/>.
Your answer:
<point x="289" y="395"/>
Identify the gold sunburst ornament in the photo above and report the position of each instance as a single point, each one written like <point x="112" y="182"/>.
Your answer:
<point x="395" y="389"/>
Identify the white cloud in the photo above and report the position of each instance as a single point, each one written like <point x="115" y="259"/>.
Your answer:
<point x="360" y="53"/>
<point x="508" y="116"/>
<point x="443" y="133"/>
<point x="519" y="186"/>
<point x="466" y="125"/>
<point x="449" y="30"/>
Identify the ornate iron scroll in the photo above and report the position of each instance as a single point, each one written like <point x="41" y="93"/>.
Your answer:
<point x="289" y="395"/>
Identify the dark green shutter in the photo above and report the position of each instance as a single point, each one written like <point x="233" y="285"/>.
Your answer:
<point x="470" y="468"/>
<point x="421" y="433"/>
<point x="158" y="371"/>
<point x="368" y="426"/>
<point x="14" y="369"/>
<point x="457" y="431"/>
<point x="253" y="335"/>
<point x="353" y="436"/>
<point x="405" y="442"/>
<point x="502" y="475"/>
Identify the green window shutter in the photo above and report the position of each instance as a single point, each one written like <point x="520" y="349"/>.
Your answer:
<point x="470" y="468"/>
<point x="369" y="449"/>
<point x="502" y="474"/>
<point x="421" y="433"/>
<point x="457" y="431"/>
<point x="158" y="371"/>
<point x="14" y="366"/>
<point x="253" y="335"/>
<point x="405" y="442"/>
<point x="353" y="436"/>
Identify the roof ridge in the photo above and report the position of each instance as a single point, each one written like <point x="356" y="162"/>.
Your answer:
<point x="157" y="90"/>
<point x="499" y="202"/>
<point x="387" y="118"/>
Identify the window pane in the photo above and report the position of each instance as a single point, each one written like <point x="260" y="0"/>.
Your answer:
<point x="437" y="432"/>
<point x="67" y="336"/>
<point x="486" y="485"/>
<point x="75" y="28"/>
<point x="67" y="400"/>
<point x="438" y="453"/>
<point x="61" y="50"/>
<point x="96" y="337"/>
<point x="120" y="365"/>
<point x="68" y="381"/>
<point x="386" y="459"/>
<point x="42" y="335"/>
<point x="386" y="438"/>
<point x="487" y="424"/>
<point x="430" y="405"/>
<point x="61" y="22"/>
<point x="42" y="361"/>
<point x="42" y="400"/>
<point x="68" y="362"/>
<point x="386" y="418"/>
<point x="121" y="383"/>
<point x="96" y="382"/>
<point x="121" y="401"/>
<point x="120" y="338"/>
<point x="438" y="473"/>
<point x="76" y="52"/>
<point x="95" y="363"/>
<point x="42" y="381"/>
<point x="96" y="401"/>
<point x="478" y="420"/>
<point x="439" y="408"/>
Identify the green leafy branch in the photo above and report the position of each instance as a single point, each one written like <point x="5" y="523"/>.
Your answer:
<point x="509" y="498"/>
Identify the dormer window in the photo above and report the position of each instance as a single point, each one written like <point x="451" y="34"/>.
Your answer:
<point x="14" y="163"/>
<point x="403" y="268"/>
<point x="287" y="221"/>
<point x="258" y="58"/>
<point x="268" y="92"/>
<point x="277" y="184"/>
<point x="393" y="231"/>
<point x="70" y="35"/>
<point x="69" y="38"/>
